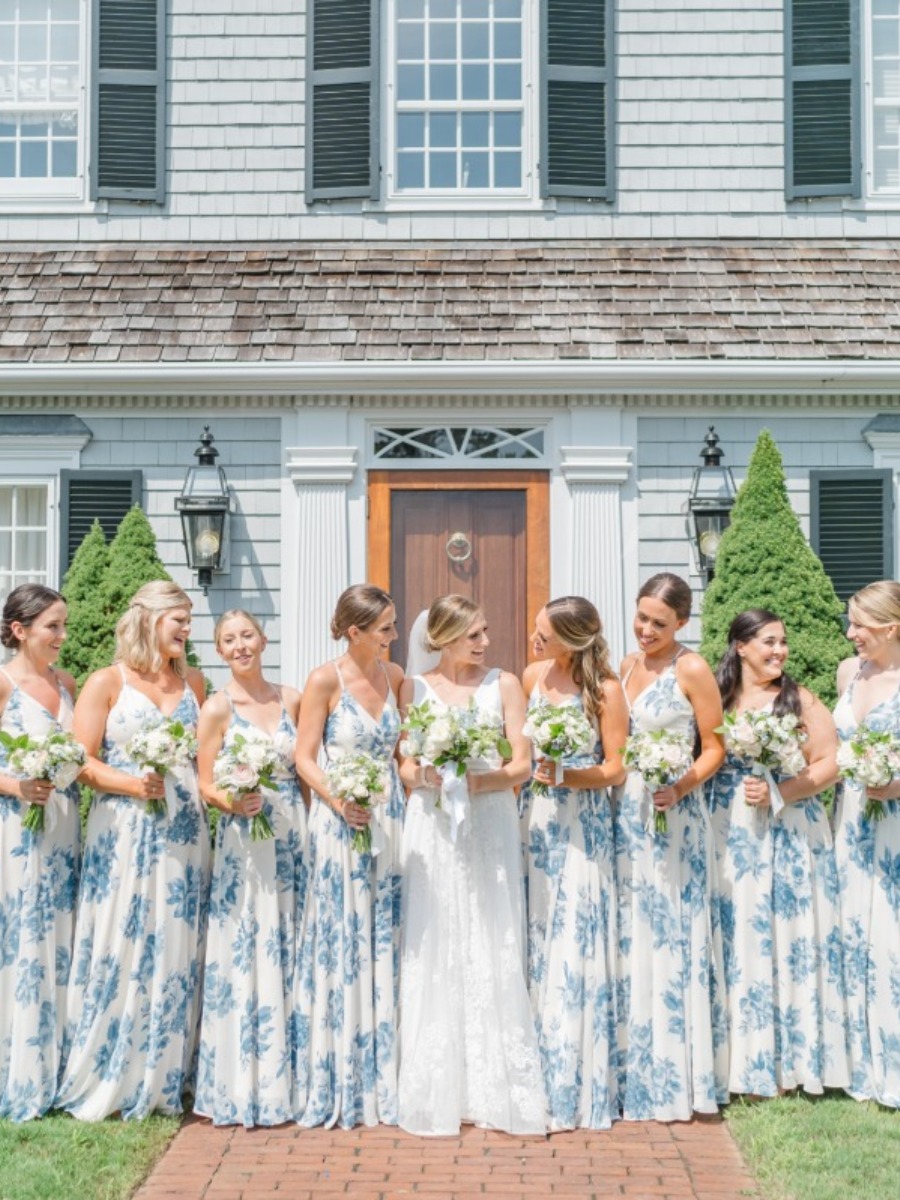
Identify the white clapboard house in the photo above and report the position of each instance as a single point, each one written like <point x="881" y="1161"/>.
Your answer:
<point x="458" y="286"/>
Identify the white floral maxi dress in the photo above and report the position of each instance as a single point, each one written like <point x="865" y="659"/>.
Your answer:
<point x="777" y="907"/>
<point x="567" y="835"/>
<point x="868" y="858"/>
<point x="135" y="987"/>
<point x="38" y="883"/>
<point x="255" y="908"/>
<point x="672" y="1019"/>
<point x="468" y="1045"/>
<point x="346" y="982"/>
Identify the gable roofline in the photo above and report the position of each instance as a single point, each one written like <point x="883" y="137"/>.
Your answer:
<point x="523" y="377"/>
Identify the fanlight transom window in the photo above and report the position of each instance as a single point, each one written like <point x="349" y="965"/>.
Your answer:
<point x="457" y="442"/>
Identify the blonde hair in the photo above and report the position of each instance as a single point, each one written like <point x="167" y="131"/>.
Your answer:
<point x="137" y="645"/>
<point x="230" y="615"/>
<point x="577" y="624"/>
<point x="876" y="604"/>
<point x="448" y="619"/>
<point x="360" y="605"/>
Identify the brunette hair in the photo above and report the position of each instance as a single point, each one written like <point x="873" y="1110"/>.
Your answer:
<point x="360" y="605"/>
<point x="672" y="590"/>
<point x="577" y="624"/>
<point x="448" y="619"/>
<point x="878" y="603"/>
<point x="24" y="604"/>
<point x="136" y="642"/>
<point x="744" y="628"/>
<point x="230" y="615"/>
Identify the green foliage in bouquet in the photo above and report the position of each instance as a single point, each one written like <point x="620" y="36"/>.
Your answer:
<point x="81" y="587"/>
<point x="765" y="561"/>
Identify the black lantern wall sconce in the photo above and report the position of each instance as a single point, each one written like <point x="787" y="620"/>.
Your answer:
<point x="710" y="502"/>
<point x="205" y="507"/>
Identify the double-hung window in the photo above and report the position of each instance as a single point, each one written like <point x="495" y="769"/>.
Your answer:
<point x="25" y="534"/>
<point x="883" y="69"/>
<point x="42" y="110"/>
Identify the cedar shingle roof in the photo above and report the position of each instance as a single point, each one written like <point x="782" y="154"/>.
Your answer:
<point x="173" y="303"/>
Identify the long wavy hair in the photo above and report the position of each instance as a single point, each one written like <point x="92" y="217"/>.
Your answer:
<point x="137" y="645"/>
<point x="744" y="628"/>
<point x="577" y="624"/>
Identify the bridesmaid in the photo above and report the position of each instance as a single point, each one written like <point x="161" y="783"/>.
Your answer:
<point x="777" y="890"/>
<point x="38" y="871"/>
<point x="345" y="987"/>
<point x="256" y="898"/>
<point x="672" y="1017"/>
<point x="868" y="852"/>
<point x="570" y="862"/>
<point x="134" y="994"/>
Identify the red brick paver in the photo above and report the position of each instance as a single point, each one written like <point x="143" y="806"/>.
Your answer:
<point x="698" y="1161"/>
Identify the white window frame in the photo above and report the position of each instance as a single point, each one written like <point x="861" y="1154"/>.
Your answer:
<point x="458" y="461"/>
<point x="49" y="193"/>
<point x="528" y="196"/>
<point x="880" y="199"/>
<point x="49" y="579"/>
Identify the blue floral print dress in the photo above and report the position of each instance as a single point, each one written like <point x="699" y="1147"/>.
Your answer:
<point x="255" y="909"/>
<point x="38" y="882"/>
<point x="777" y="907"/>
<point x="346" y="983"/>
<point x="672" y="1018"/>
<point x="868" y="859"/>
<point x="567" y="835"/>
<point x="135" y="987"/>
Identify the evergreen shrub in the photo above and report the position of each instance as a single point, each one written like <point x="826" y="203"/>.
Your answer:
<point x="765" y="561"/>
<point x="81" y="588"/>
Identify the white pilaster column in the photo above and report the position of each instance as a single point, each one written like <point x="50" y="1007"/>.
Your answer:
<point x="595" y="475"/>
<point x="317" y="561"/>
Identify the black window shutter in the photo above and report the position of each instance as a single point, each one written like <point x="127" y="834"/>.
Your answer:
<point x="342" y="156"/>
<point x="86" y="496"/>
<point x="823" y="154"/>
<point x="577" y="99"/>
<point x="852" y="526"/>
<point x="128" y="100"/>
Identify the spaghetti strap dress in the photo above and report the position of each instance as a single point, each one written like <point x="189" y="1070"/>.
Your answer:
<point x="868" y="862"/>
<point x="255" y="910"/>
<point x="38" y="884"/>
<point x="346" y="982"/>
<point x="672" y="1016"/>
<point x="134" y="994"/>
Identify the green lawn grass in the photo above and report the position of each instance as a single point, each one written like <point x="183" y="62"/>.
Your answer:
<point x="831" y="1148"/>
<point x="59" y="1158"/>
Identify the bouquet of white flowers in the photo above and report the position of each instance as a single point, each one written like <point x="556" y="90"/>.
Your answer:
<point x="453" y="742"/>
<point x="161" y="748"/>
<point x="245" y="764"/>
<point x="365" y="781"/>
<point x="558" y="731"/>
<point x="870" y="758"/>
<point x="770" y="743"/>
<point x="57" y="757"/>
<point x="659" y="757"/>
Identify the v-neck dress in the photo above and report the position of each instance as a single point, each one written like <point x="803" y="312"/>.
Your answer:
<point x="346" y="982"/>
<point x="38" y="882"/>
<point x="868" y="860"/>
<point x="777" y="905"/>
<point x="567" y="836"/>
<point x="135" y="987"/>
<point x="468" y="1044"/>
<point x="255" y="907"/>
<point x="672" y="1017"/>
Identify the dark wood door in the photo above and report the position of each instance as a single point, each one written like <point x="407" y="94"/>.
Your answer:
<point x="486" y="562"/>
<point x="503" y="563"/>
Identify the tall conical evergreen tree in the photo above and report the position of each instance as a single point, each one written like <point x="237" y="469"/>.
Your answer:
<point x="82" y="587"/>
<point x="765" y="561"/>
<point x="133" y="561"/>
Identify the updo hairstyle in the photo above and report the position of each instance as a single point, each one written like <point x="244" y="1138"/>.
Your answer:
<point x="448" y="619"/>
<point x="360" y="605"/>
<point x="24" y="604"/>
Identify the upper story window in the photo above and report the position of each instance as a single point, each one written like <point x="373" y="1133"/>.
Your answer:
<point x="884" y="73"/>
<point x="41" y="98"/>
<point x="459" y="73"/>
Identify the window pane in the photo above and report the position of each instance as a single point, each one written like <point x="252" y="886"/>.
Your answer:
<point x="6" y="560"/>
<point x="31" y="506"/>
<point x="33" y="83"/>
<point x="507" y="81"/>
<point x="507" y="8"/>
<point x="64" y="43"/>
<point x="7" y="160"/>
<point x="64" y="10"/>
<point x="410" y="8"/>
<point x="411" y="129"/>
<point x="442" y="170"/>
<point x="442" y="83"/>
<point x="7" y="43"/>
<point x="443" y="8"/>
<point x="411" y="40"/>
<point x="33" y="10"/>
<point x="410" y="83"/>
<point x="410" y="170"/>
<point x="442" y="39"/>
<point x="507" y="170"/>
<point x="6" y="495"/>
<point x="442" y="129"/>
<point x="32" y="43"/>
<point x="887" y="80"/>
<point x="476" y="170"/>
<point x="476" y="8"/>
<point x="476" y="39"/>
<point x="64" y="157"/>
<point x="476" y="128"/>
<point x="34" y="160"/>
<point x="476" y="81"/>
<point x="31" y="552"/>
<point x="508" y="40"/>
<point x="508" y="129"/>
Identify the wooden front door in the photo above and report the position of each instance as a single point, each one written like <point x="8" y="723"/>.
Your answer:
<point x="481" y="534"/>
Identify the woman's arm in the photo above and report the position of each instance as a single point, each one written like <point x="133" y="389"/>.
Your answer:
<point x="91" y="712"/>
<point x="518" y="769"/>
<point x="214" y="718"/>
<point x="820" y="752"/>
<point x="699" y="685"/>
<point x="613" y="732"/>
<point x="291" y="699"/>
<point x="32" y="791"/>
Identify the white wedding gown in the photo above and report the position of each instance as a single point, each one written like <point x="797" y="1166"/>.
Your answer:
<point x="468" y="1046"/>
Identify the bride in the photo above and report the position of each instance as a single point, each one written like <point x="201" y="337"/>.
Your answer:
<point x="468" y="1047"/>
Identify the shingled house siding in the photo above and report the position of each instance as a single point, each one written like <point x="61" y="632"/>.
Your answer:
<point x="249" y="446"/>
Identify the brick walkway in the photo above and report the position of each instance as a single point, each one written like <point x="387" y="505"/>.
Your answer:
<point x="683" y="1162"/>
